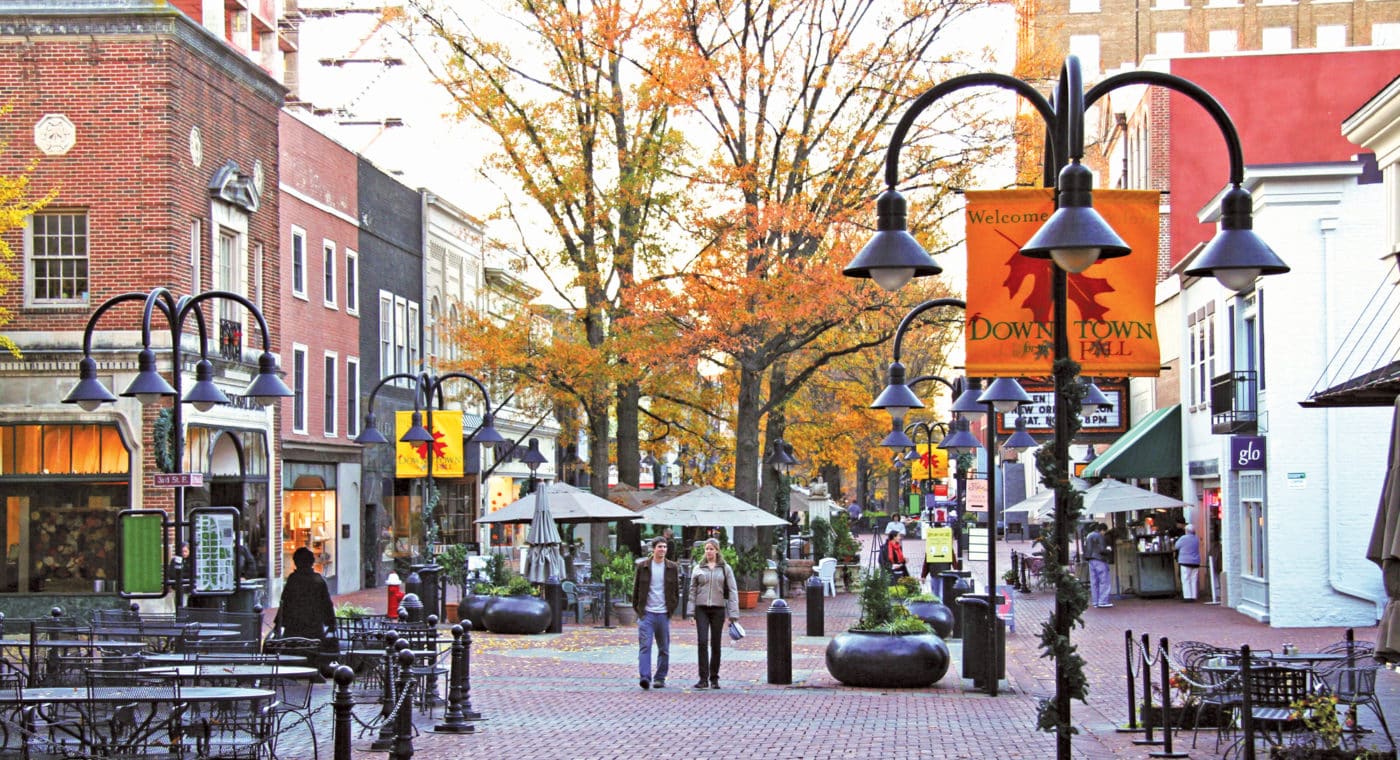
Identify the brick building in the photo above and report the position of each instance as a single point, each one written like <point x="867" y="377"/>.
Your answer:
<point x="161" y="142"/>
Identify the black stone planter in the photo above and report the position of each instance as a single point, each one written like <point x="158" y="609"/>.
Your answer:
<point x="887" y="661"/>
<point x="517" y="614"/>
<point x="473" y="610"/>
<point x="936" y="614"/>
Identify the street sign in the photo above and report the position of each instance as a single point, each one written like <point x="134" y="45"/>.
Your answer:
<point x="177" y="479"/>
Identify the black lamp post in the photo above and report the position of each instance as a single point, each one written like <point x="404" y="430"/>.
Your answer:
<point x="533" y="459"/>
<point x="780" y="458"/>
<point x="1074" y="238"/>
<point x="926" y="459"/>
<point x="149" y="387"/>
<point x="428" y="386"/>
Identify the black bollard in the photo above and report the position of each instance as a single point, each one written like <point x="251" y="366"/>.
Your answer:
<point x="343" y="705"/>
<point x="779" y="643"/>
<point x="467" y="710"/>
<point x="403" y="709"/>
<point x="607" y="604"/>
<point x="1147" y="695"/>
<point x="554" y="597"/>
<point x="1132" y="726"/>
<point x="1246" y="703"/>
<point x="431" y="698"/>
<point x="816" y="606"/>
<point x="1166" y="750"/>
<point x="454" y="721"/>
<point x="685" y="592"/>
<point x="385" y="740"/>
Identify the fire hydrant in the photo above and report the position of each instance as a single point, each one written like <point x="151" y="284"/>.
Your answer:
<point x="395" y="589"/>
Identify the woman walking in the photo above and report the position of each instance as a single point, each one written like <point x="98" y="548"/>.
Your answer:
<point x="715" y="596"/>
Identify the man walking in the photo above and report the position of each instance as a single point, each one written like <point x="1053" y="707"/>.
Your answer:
<point x="655" y="596"/>
<point x="1188" y="557"/>
<point x="1098" y="566"/>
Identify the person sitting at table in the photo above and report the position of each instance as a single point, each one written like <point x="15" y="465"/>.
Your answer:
<point x="180" y="570"/>
<point x="306" y="610"/>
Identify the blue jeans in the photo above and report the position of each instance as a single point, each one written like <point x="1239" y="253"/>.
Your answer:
<point x="1098" y="582"/>
<point x="654" y="625"/>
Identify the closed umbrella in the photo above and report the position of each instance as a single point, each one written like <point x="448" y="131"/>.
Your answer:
<point x="1384" y="549"/>
<point x="544" y="560"/>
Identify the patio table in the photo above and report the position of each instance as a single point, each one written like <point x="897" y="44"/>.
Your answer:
<point x="220" y="658"/>
<point x="233" y="673"/>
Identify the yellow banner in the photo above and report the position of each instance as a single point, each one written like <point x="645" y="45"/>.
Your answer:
<point x="932" y="462"/>
<point x="1010" y="330"/>
<point x="412" y="459"/>
<point x="938" y="544"/>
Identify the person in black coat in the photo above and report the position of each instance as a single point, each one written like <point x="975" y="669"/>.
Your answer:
<point x="306" y="609"/>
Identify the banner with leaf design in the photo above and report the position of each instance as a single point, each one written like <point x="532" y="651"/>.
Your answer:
<point x="932" y="462"/>
<point x="1111" y="306"/>
<point x="411" y="459"/>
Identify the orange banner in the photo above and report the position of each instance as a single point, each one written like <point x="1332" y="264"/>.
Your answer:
<point x="932" y="462"/>
<point x="1010" y="330"/>
<point x="412" y="458"/>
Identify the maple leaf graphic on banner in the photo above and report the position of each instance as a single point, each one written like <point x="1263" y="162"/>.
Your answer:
<point x="1082" y="290"/>
<point x="439" y="446"/>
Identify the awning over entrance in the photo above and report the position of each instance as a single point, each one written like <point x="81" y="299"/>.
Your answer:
<point x="1151" y="449"/>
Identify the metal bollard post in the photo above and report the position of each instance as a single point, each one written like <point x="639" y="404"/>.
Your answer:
<point x="779" y="643"/>
<point x="1246" y="703"/>
<point x="816" y="607"/>
<point x="343" y="705"/>
<point x="467" y="710"/>
<point x="1167" y="750"/>
<point x="403" y="710"/>
<point x="385" y="740"/>
<point x="685" y="592"/>
<point x="454" y="721"/>
<point x="431" y="698"/>
<point x="554" y="597"/>
<point x="1132" y="726"/>
<point x="1147" y="696"/>
<point x="607" y="604"/>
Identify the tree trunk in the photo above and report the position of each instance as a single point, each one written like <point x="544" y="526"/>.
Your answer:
<point x="598" y="473"/>
<point x="629" y="455"/>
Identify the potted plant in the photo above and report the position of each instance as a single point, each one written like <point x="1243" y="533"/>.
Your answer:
<point x="516" y="609"/>
<point x="888" y="648"/>
<point x="845" y="547"/>
<point x="749" y="565"/>
<point x="453" y="561"/>
<point x="619" y="572"/>
<point x="931" y="609"/>
<point x="1321" y="738"/>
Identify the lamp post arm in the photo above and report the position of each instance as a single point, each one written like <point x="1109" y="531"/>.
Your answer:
<point x="986" y="79"/>
<point x="181" y="312"/>
<point x="1189" y="89"/>
<point x="922" y="378"/>
<point x="369" y="406"/>
<point x="473" y="380"/>
<point x="916" y="311"/>
<point x="231" y="296"/>
<point x="97" y="315"/>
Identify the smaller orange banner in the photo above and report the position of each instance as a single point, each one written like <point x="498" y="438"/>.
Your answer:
<point x="411" y="459"/>
<point x="1111" y="305"/>
<point x="932" y="462"/>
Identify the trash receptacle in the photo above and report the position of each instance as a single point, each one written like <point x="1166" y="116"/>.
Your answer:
<point x="955" y="583"/>
<point x="978" y="615"/>
<point x="428" y="587"/>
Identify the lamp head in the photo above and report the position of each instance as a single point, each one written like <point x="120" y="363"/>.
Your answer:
<point x="1237" y="256"/>
<point x="370" y="433"/>
<point x="1005" y="394"/>
<point x="969" y="401"/>
<point x="488" y="434"/>
<point x="893" y="257"/>
<point x="148" y="386"/>
<point x="267" y="387"/>
<point x="416" y="433"/>
<point x="1094" y="399"/>
<point x="532" y="456"/>
<point x="89" y="393"/>
<point x="961" y="441"/>
<point x="1075" y="236"/>
<point x="1020" y="440"/>
<point x="205" y="395"/>
<point x="897" y="398"/>
<point x="897" y="439"/>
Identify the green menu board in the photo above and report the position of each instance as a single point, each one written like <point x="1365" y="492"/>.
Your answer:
<point x="143" y="552"/>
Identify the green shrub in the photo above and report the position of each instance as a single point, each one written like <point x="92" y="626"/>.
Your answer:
<point x="875" y="607"/>
<point x="519" y="585"/>
<point x="846" y="544"/>
<point x="619" y="571"/>
<point x="910" y="584"/>
<point x="822" y="536"/>
<point x="905" y="624"/>
<point x="497" y="569"/>
<point x="348" y="610"/>
<point x="924" y="597"/>
<point x="898" y="593"/>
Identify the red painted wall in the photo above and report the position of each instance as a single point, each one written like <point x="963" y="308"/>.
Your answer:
<point x="323" y="176"/>
<point x="1288" y="109"/>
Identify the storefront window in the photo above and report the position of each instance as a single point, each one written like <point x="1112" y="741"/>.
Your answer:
<point x="309" y="514"/>
<point x="61" y="487"/>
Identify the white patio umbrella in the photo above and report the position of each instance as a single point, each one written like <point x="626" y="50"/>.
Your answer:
<point x="567" y="504"/>
<point x="709" y="506"/>
<point x="1116" y="496"/>
<point x="1040" y="506"/>
<point x="544" y="559"/>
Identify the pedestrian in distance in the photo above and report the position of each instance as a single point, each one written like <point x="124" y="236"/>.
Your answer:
<point x="1188" y="558"/>
<point x="306" y="610"/>
<point x="1096" y="553"/>
<point x="714" y="595"/>
<point x="180" y="571"/>
<point x="854" y="511"/>
<point x="655" y="596"/>
<point x="892" y="555"/>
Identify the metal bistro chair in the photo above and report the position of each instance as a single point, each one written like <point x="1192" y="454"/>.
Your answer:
<point x="1355" y="686"/>
<point x="1272" y="690"/>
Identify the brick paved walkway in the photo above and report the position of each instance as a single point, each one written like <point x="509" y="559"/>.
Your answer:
<point x="575" y="694"/>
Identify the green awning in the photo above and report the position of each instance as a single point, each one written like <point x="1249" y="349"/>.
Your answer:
<point x="1151" y="449"/>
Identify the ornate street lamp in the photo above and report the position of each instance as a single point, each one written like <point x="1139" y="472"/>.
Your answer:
<point x="150" y="387"/>
<point x="1073" y="238"/>
<point x="780" y="458"/>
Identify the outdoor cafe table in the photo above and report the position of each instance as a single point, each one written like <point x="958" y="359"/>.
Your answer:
<point x="1308" y="658"/>
<point x="233" y="673"/>
<point x="222" y="658"/>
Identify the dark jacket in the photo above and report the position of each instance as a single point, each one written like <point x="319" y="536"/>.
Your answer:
<point x="306" y="609"/>
<point x="643" y="585"/>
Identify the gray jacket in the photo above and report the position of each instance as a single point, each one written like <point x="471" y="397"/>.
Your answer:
<point x="707" y="586"/>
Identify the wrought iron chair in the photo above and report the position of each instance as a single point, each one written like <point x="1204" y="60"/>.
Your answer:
<point x="1355" y="686"/>
<point x="1272" y="692"/>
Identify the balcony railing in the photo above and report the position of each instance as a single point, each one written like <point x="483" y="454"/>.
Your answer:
<point x="1234" y="403"/>
<point x="231" y="340"/>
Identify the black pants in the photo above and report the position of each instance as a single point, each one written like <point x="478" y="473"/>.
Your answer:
<point x="709" y="628"/>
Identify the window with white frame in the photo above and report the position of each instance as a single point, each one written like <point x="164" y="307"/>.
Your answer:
<point x="1223" y="40"/>
<point x="328" y="265"/>
<point x="331" y="404"/>
<point x="400" y="334"/>
<point x="1254" y="525"/>
<point x="56" y="257"/>
<point x="1201" y="325"/>
<point x="454" y="321"/>
<point x="352" y="282"/>
<point x="298" y="388"/>
<point x="386" y="334"/>
<point x="1086" y="47"/>
<point x="1276" y="38"/>
<point x="434" y="314"/>
<point x="255" y="288"/>
<point x="1386" y="34"/>
<point x="352" y="396"/>
<point x="196" y="261"/>
<point x="415" y="337"/>
<point x="228" y="275"/>
<point x="1170" y="43"/>
<point x="1330" y="37"/>
<point x="299" y="262"/>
